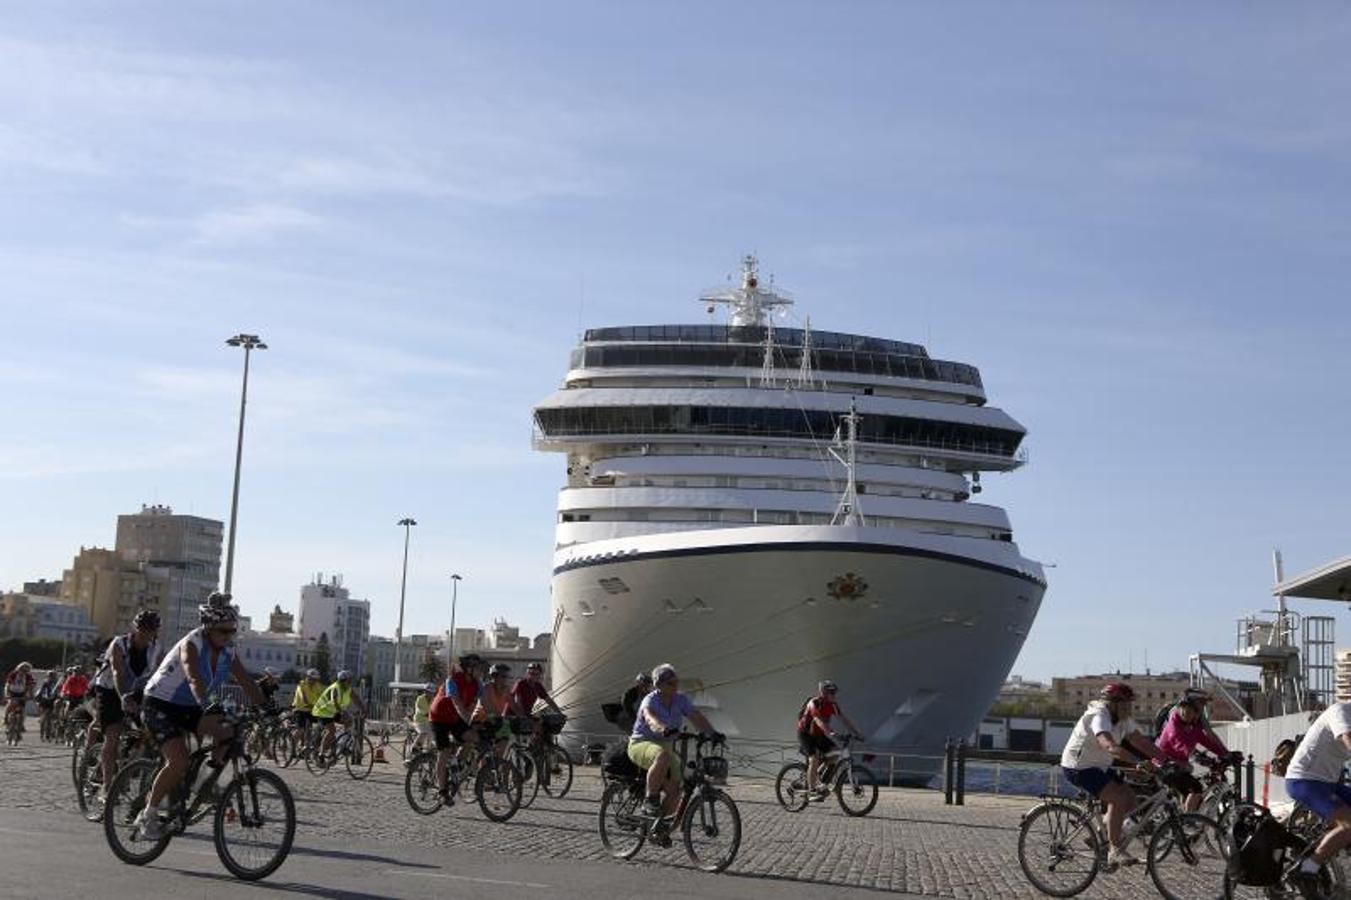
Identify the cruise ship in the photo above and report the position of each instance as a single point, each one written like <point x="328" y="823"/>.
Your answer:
<point x="765" y="507"/>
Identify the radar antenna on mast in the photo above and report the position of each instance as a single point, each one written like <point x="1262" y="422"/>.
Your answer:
<point x="806" y="377"/>
<point x="749" y="304"/>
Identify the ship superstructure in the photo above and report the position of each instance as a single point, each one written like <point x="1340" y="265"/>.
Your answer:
<point x="766" y="506"/>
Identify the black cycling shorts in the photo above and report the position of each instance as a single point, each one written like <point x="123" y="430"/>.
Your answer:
<point x="110" y="706"/>
<point x="443" y="731"/>
<point x="167" y="721"/>
<point x="1184" y="783"/>
<point x="301" y="717"/>
<point x="809" y="743"/>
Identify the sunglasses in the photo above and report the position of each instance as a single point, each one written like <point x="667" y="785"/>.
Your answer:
<point x="227" y="632"/>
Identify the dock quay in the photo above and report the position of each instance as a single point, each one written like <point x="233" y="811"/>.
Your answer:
<point x="359" y="839"/>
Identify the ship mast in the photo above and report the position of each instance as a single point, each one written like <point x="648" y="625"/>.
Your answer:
<point x="750" y="304"/>
<point x="848" y="512"/>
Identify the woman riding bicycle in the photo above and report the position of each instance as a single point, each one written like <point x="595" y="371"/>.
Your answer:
<point x="1183" y="731"/>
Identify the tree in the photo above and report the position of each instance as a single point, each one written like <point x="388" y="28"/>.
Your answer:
<point x="322" y="657"/>
<point x="432" y="668"/>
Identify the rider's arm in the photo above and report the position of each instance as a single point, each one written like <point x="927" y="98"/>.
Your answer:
<point x="850" y="722"/>
<point x="550" y="700"/>
<point x="1117" y="751"/>
<point x="121" y="677"/>
<point x="250" y="686"/>
<point x="1151" y="751"/>
<point x="187" y="658"/>
<point x="701" y="720"/>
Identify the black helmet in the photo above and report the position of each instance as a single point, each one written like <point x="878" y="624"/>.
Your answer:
<point x="217" y="611"/>
<point x="826" y="686"/>
<point x="499" y="669"/>
<point x="642" y="678"/>
<point x="147" y="619"/>
<point x="469" y="659"/>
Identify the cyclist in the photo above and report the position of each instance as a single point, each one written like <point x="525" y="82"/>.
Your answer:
<point x="119" y="685"/>
<point x="1313" y="779"/>
<point x="180" y="697"/>
<point x="1183" y="730"/>
<point x="814" y="735"/>
<point x="530" y="690"/>
<point x="450" y="713"/>
<point x="1103" y="734"/>
<point x="641" y="687"/>
<point x="422" y="707"/>
<point x="332" y="705"/>
<point x="268" y="682"/>
<point x="302" y="706"/>
<point x="46" y="697"/>
<point x="74" y="688"/>
<point x="19" y="686"/>
<point x="495" y="702"/>
<point x="660" y="716"/>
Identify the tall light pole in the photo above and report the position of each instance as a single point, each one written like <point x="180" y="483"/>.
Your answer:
<point x="250" y="343"/>
<point x="450" y="644"/>
<point x="407" y="524"/>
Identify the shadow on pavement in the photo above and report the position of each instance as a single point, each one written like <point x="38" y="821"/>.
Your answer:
<point x="361" y="857"/>
<point x="308" y="890"/>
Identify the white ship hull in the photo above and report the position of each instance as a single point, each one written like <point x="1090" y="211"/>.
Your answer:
<point x="919" y="637"/>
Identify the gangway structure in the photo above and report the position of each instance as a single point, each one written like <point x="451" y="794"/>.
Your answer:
<point x="1293" y="653"/>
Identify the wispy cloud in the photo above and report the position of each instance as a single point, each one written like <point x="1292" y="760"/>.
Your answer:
<point x="253" y="223"/>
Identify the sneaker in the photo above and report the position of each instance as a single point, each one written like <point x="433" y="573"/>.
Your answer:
<point x="1120" y="856"/>
<point x="652" y="807"/>
<point x="819" y="794"/>
<point x="148" y="826"/>
<point x="661" y="835"/>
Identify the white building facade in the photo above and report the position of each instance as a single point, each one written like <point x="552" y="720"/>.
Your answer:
<point x="326" y="607"/>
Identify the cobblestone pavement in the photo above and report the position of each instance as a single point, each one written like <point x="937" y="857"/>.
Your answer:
<point x="910" y="843"/>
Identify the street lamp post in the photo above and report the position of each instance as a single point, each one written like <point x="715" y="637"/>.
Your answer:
<point x="407" y="524"/>
<point x="250" y="343"/>
<point x="450" y="644"/>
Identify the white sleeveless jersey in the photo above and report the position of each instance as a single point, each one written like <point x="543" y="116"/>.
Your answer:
<point x="170" y="682"/>
<point x="105" y="677"/>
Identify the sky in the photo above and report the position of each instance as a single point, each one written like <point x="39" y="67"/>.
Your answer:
<point x="1134" y="225"/>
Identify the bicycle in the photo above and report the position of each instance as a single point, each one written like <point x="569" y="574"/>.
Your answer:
<point x="1295" y="840"/>
<point x="135" y="742"/>
<point x="543" y="763"/>
<point x="14" y="725"/>
<point x="1062" y="844"/>
<point x="266" y="737"/>
<point x="497" y="781"/>
<point x="254" y="820"/>
<point x="854" y="785"/>
<point x="351" y="746"/>
<point x="706" y="813"/>
<point x="48" y="732"/>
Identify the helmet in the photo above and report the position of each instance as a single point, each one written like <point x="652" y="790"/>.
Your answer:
<point x="270" y="672"/>
<point x="470" y="659"/>
<point x="1117" y="691"/>
<point x="535" y="667"/>
<point x="344" y="675"/>
<point x="25" y="667"/>
<point x="642" y="678"/>
<point x="1195" y="698"/>
<point x="499" y="669"/>
<point x="146" y="619"/>
<point x="430" y="687"/>
<point x="663" y="673"/>
<point x="827" y="687"/>
<point x="312" y="673"/>
<point x="217" y="611"/>
<point x="70" y="670"/>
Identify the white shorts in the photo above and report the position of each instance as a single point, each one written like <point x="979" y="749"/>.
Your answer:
<point x="423" y="727"/>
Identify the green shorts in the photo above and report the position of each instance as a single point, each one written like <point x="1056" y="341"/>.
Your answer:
<point x="644" y="753"/>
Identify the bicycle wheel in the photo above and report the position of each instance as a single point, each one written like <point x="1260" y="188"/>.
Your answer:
<point x="318" y="763"/>
<point x="420" y="785"/>
<point x="284" y="748"/>
<point x="791" y="787"/>
<point x="90" y="782"/>
<point x="255" y="824"/>
<point x="712" y="829"/>
<point x="360" y="759"/>
<point x="558" y="780"/>
<point x="1059" y="849"/>
<point x="127" y="795"/>
<point x="1184" y="859"/>
<point x="497" y="787"/>
<point x="622" y="829"/>
<point x="525" y="764"/>
<point x="856" y="790"/>
<point x="409" y="745"/>
<point x="77" y="754"/>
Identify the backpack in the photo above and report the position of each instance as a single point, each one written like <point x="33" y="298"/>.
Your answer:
<point x="1259" y="844"/>
<point x="1161" y="717"/>
<point x="1284" y="752"/>
<point x="618" y="766"/>
<point x="804" y="722"/>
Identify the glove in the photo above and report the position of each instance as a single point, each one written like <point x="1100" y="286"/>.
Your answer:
<point x="1234" y="758"/>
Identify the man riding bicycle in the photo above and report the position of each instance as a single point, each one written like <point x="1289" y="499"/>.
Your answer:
<point x="1184" y="729"/>
<point x="19" y="686"/>
<point x="530" y="690"/>
<point x="495" y="702"/>
<point x="1102" y="734"/>
<point x="1313" y="779"/>
<point x="119" y="685"/>
<point x="418" y="718"/>
<point x="450" y="713"/>
<point x="74" y="688"/>
<point x="188" y="681"/>
<point x="660" y="716"/>
<point x="46" y="697"/>
<point x="332" y="706"/>
<point x="302" y="706"/>
<point x="814" y="735"/>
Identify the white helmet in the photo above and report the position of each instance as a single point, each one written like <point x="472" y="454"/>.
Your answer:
<point x="312" y="673"/>
<point x="663" y="672"/>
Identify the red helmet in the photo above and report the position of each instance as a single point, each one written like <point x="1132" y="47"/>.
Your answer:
<point x="1117" y="691"/>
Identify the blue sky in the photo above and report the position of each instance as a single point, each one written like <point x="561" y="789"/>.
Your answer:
<point x="1135" y="226"/>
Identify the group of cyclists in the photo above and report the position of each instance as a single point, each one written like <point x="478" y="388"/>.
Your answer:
<point x="60" y="693"/>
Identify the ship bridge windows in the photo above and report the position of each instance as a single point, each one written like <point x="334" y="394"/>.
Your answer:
<point x="749" y="356"/>
<point x="815" y="425"/>
<point x="749" y="334"/>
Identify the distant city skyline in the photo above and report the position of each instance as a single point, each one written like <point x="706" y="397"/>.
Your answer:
<point x="1136" y="232"/>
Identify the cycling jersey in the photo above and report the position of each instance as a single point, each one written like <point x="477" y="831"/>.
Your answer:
<point x="421" y="709"/>
<point x="1082" y="750"/>
<point x="47" y="691"/>
<point x="18" y="685"/>
<point x="492" y="703"/>
<point x="822" y="708"/>
<point x="170" y="682"/>
<point x="147" y="659"/>
<point x="332" y="701"/>
<point x="75" y="686"/>
<point x="306" y="693"/>
<point x="529" y="692"/>
<point x="460" y="685"/>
